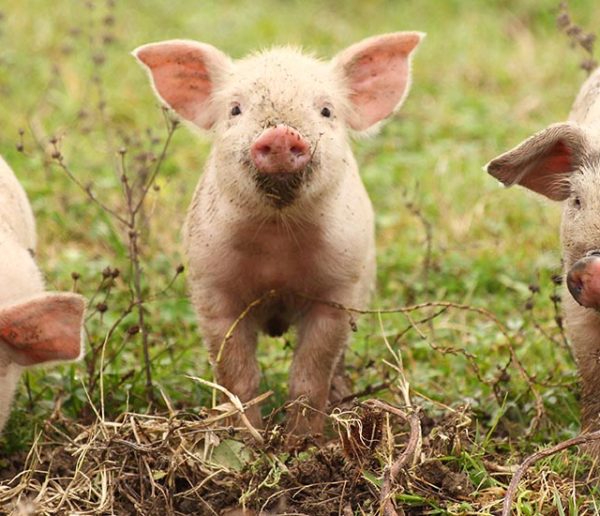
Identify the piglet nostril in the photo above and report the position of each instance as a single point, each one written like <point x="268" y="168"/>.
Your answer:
<point x="263" y="150"/>
<point x="575" y="286"/>
<point x="575" y="282"/>
<point x="297" y="150"/>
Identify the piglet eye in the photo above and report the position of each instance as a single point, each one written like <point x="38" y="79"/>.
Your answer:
<point x="236" y="110"/>
<point x="326" y="112"/>
<point x="577" y="202"/>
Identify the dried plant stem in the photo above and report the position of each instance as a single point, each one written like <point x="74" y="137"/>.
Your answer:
<point x="58" y="158"/>
<point x="134" y="196"/>
<point x="532" y="459"/>
<point x="235" y="401"/>
<point x="442" y="305"/>
<point x="367" y="391"/>
<point x="578" y="36"/>
<point x="139" y="297"/>
<point x="241" y="317"/>
<point x="539" y="404"/>
<point x="428" y="228"/>
<point x="391" y="473"/>
<point x="171" y="127"/>
<point x="411" y="451"/>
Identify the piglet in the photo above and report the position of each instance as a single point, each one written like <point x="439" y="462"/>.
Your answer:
<point x="562" y="162"/>
<point x="35" y="326"/>
<point x="281" y="207"/>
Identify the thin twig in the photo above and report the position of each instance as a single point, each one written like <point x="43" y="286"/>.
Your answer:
<point x="539" y="404"/>
<point x="241" y="317"/>
<point x="532" y="459"/>
<point x="367" y="391"/>
<point x="427" y="226"/>
<point x="171" y="131"/>
<point x="235" y="401"/>
<point x="391" y="473"/>
<point x="59" y="160"/>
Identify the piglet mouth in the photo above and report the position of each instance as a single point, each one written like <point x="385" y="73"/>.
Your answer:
<point x="281" y="189"/>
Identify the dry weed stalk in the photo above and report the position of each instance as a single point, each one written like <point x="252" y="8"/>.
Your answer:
<point x="136" y="173"/>
<point x="237" y="404"/>
<point x="134" y="194"/>
<point x="509" y="341"/>
<point x="417" y="212"/>
<point x="578" y="36"/>
<point x="412" y="449"/>
<point x="410" y="453"/>
<point x="532" y="459"/>
<point x="136" y="458"/>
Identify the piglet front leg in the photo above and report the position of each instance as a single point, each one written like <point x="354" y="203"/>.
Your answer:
<point x="583" y="329"/>
<point x="236" y="368"/>
<point x="322" y="337"/>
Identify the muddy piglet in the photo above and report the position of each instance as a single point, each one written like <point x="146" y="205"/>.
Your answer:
<point x="562" y="162"/>
<point x="35" y="326"/>
<point x="280" y="214"/>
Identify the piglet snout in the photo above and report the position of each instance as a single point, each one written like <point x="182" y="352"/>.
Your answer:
<point x="280" y="149"/>
<point x="583" y="280"/>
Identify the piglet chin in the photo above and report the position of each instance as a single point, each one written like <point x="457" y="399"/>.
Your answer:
<point x="281" y="189"/>
<point x="583" y="281"/>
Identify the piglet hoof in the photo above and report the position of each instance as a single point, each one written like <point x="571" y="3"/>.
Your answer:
<point x="303" y="427"/>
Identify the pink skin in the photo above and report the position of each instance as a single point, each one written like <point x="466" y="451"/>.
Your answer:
<point x="562" y="162"/>
<point x="35" y="326"/>
<point x="280" y="149"/>
<point x="275" y="113"/>
<point x="583" y="281"/>
<point x="42" y="329"/>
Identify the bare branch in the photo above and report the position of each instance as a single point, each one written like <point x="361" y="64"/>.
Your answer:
<point x="532" y="459"/>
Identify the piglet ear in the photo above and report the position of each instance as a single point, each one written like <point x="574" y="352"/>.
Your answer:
<point x="377" y="72"/>
<point x="43" y="329"/>
<point x="544" y="162"/>
<point x="183" y="74"/>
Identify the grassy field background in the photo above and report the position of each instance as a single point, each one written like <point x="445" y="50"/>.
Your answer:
<point x="488" y="75"/>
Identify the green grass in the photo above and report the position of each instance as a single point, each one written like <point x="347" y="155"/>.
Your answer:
<point x="488" y="75"/>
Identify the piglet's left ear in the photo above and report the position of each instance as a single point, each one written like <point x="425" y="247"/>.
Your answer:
<point x="43" y="329"/>
<point x="377" y="72"/>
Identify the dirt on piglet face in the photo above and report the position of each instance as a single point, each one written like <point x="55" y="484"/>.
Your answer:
<point x="281" y="86"/>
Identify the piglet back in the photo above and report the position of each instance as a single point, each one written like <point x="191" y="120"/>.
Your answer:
<point x="16" y="217"/>
<point x="586" y="108"/>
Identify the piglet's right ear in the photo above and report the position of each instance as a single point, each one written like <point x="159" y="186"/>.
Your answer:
<point x="183" y="74"/>
<point x="43" y="329"/>
<point x="544" y="162"/>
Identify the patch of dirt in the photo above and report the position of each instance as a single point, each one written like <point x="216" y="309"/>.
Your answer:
<point x="451" y="484"/>
<point x="182" y="464"/>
